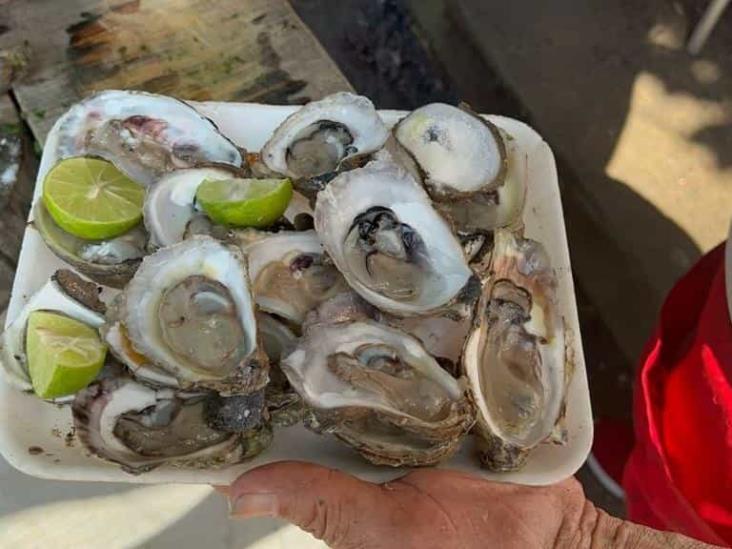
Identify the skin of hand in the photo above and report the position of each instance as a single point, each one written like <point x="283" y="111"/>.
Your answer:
<point x="433" y="508"/>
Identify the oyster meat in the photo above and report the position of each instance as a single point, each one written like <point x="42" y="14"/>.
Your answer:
<point x="470" y="167"/>
<point x="188" y="311"/>
<point x="392" y="247"/>
<point x="140" y="428"/>
<point x="319" y="137"/>
<point x="64" y="293"/>
<point x="290" y="274"/>
<point x="109" y="262"/>
<point x="143" y="134"/>
<point x="379" y="391"/>
<point x="516" y="357"/>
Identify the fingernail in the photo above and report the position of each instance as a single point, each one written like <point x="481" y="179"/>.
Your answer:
<point x="253" y="505"/>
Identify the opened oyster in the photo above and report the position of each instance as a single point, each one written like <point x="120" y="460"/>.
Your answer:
<point x="516" y="357"/>
<point x="283" y="403"/>
<point x="109" y="262"/>
<point x="143" y="134"/>
<point x="392" y="247"/>
<point x="64" y="293"/>
<point x="189" y="312"/>
<point x="140" y="427"/>
<point x="471" y="168"/>
<point x="170" y="204"/>
<point x="379" y="391"/>
<point x="290" y="274"/>
<point x="318" y="137"/>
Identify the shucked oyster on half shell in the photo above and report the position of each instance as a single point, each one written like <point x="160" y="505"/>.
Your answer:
<point x="290" y="273"/>
<point x="321" y="135"/>
<point x="516" y="358"/>
<point x="109" y="262"/>
<point x="143" y="134"/>
<point x="470" y="167"/>
<point x="64" y="293"/>
<point x="378" y="390"/>
<point x="189" y="312"/>
<point x="140" y="427"/>
<point x="379" y="227"/>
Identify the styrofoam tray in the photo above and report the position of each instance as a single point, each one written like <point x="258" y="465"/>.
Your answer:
<point x="26" y="421"/>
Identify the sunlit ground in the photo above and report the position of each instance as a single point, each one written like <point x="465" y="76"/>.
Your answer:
<point x="39" y="513"/>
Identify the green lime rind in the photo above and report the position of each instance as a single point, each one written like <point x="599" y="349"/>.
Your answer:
<point x="63" y="354"/>
<point x="245" y="202"/>
<point x="91" y="199"/>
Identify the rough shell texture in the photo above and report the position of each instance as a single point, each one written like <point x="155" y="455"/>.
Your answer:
<point x="352" y="115"/>
<point x="516" y="357"/>
<point x="379" y="391"/>
<point x="143" y="134"/>
<point x="73" y="250"/>
<point x="140" y="428"/>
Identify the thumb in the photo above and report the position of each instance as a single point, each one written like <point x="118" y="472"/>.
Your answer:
<point x="331" y="505"/>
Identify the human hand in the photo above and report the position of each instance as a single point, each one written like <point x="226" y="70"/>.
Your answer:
<point x="433" y="508"/>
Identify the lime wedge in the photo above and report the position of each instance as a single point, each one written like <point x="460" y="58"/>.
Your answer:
<point x="245" y="202"/>
<point x="64" y="355"/>
<point x="92" y="199"/>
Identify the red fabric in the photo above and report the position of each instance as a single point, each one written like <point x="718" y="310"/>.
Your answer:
<point x="679" y="475"/>
<point x="612" y="444"/>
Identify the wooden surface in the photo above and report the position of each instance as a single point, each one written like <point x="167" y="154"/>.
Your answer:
<point x="228" y="50"/>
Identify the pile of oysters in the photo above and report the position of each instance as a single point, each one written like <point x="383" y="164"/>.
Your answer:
<point x="396" y="304"/>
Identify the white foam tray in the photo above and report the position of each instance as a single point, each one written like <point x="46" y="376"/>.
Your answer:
<point x="26" y="421"/>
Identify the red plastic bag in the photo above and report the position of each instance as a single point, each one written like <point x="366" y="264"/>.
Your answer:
<point x="679" y="475"/>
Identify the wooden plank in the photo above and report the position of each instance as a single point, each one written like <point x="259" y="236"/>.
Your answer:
<point x="232" y="50"/>
<point x="17" y="199"/>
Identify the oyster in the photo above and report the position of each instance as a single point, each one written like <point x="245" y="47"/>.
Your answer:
<point x="170" y="203"/>
<point x="471" y="168"/>
<point x="108" y="262"/>
<point x="65" y="293"/>
<point x="516" y="357"/>
<point x="140" y="428"/>
<point x="379" y="391"/>
<point x="393" y="248"/>
<point x="283" y="403"/>
<point x="290" y="274"/>
<point x="318" y="137"/>
<point x="188" y="311"/>
<point x="143" y="134"/>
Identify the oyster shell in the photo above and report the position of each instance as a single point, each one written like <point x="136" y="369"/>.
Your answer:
<point x="516" y="357"/>
<point x="379" y="391"/>
<point x="140" y="428"/>
<point x="290" y="274"/>
<point x="318" y="137"/>
<point x="66" y="293"/>
<point x="471" y="168"/>
<point x="283" y="403"/>
<point x="188" y="311"/>
<point x="108" y="262"/>
<point x="143" y="134"/>
<point x="392" y="247"/>
<point x="170" y="203"/>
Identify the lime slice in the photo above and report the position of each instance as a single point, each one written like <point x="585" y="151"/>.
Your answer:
<point x="64" y="355"/>
<point x="245" y="202"/>
<point x="92" y="199"/>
